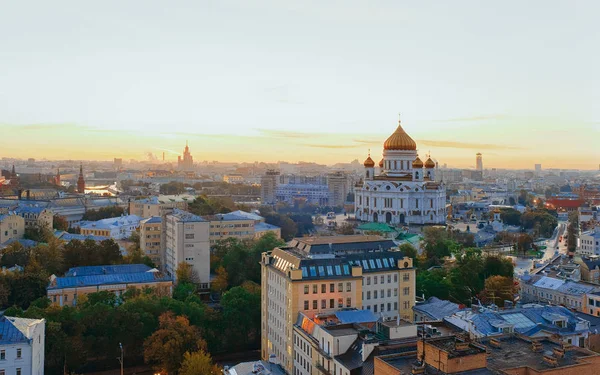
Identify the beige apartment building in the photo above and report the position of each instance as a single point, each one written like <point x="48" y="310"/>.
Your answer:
<point x="319" y="275"/>
<point x="151" y="239"/>
<point x="241" y="225"/>
<point x="12" y="226"/>
<point x="187" y="240"/>
<point x="159" y="206"/>
<point x="36" y="216"/>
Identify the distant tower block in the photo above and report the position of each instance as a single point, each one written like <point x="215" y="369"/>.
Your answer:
<point x="479" y="161"/>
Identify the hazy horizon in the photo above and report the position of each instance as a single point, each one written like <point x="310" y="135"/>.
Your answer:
<point x="313" y="81"/>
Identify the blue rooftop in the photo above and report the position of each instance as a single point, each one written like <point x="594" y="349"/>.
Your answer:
<point x="97" y="280"/>
<point x="25" y="243"/>
<point x="153" y="220"/>
<point x="436" y="309"/>
<point x="262" y="227"/>
<point x="107" y="270"/>
<point x="355" y="316"/>
<point x="29" y="209"/>
<point x="186" y="217"/>
<point x="66" y="236"/>
<point x="14" y="330"/>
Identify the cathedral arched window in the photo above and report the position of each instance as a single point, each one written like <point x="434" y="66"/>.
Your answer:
<point x="417" y="175"/>
<point x="367" y="174"/>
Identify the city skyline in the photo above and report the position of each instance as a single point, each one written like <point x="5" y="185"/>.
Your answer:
<point x="273" y="81"/>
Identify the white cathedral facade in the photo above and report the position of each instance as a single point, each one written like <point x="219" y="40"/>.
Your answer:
<point x="404" y="190"/>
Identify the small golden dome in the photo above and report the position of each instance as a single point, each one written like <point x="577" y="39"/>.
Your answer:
<point x="381" y="164"/>
<point x="429" y="163"/>
<point x="399" y="140"/>
<point x="369" y="163"/>
<point x="418" y="163"/>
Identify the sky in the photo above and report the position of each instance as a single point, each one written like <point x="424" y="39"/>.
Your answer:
<point x="310" y="80"/>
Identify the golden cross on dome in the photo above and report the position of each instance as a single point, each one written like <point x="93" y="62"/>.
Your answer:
<point x="369" y="152"/>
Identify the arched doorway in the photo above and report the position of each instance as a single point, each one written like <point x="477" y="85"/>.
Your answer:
<point x="388" y="217"/>
<point x="375" y="217"/>
<point x="402" y="219"/>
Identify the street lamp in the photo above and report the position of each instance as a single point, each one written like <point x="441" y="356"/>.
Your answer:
<point x="121" y="357"/>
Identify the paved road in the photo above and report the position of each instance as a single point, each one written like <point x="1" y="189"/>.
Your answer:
<point x="552" y="247"/>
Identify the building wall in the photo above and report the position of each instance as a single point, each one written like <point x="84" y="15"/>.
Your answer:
<point x="11" y="227"/>
<point x="383" y="368"/>
<point x="268" y="183"/>
<point x="151" y="242"/>
<point x="277" y="233"/>
<point x="154" y="209"/>
<point x="589" y="244"/>
<point x="222" y="229"/>
<point x="437" y="358"/>
<point x="31" y="361"/>
<point x="188" y="242"/>
<point x="591" y="304"/>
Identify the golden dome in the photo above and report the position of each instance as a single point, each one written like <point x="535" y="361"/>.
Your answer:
<point x="418" y="163"/>
<point x="369" y="163"/>
<point x="399" y="140"/>
<point x="429" y="163"/>
<point x="381" y="163"/>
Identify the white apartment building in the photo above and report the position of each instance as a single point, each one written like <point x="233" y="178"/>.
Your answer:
<point x="589" y="242"/>
<point x="187" y="240"/>
<point x="117" y="228"/>
<point x="22" y="346"/>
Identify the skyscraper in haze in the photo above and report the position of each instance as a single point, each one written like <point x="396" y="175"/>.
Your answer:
<point x="187" y="162"/>
<point x="479" y="162"/>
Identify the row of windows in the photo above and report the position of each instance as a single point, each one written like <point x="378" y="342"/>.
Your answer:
<point x="388" y="202"/>
<point x="382" y="294"/>
<point x="17" y="371"/>
<point x="3" y="354"/>
<point x="381" y="279"/>
<point x="315" y="303"/>
<point x="405" y="304"/>
<point x="315" y="288"/>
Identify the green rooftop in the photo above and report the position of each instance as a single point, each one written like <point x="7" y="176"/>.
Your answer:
<point x="377" y="227"/>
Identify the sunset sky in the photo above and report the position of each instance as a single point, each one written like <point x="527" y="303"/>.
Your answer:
<point x="307" y="80"/>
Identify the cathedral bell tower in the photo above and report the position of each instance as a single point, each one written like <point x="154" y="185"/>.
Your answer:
<point x="369" y="167"/>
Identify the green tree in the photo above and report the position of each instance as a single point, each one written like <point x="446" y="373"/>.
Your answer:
<point x="289" y="229"/>
<point x="60" y="223"/>
<point x="172" y="188"/>
<point x="219" y="284"/>
<point x="198" y="363"/>
<point x="510" y="216"/>
<point x="345" y="229"/>
<point x="497" y="265"/>
<point x="103" y="213"/>
<point x="50" y="255"/>
<point x="498" y="289"/>
<point x="408" y="250"/>
<point x="15" y="253"/>
<point x="186" y="274"/>
<point x="166" y="347"/>
<point x="241" y="308"/>
<point x="37" y="234"/>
